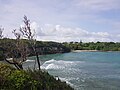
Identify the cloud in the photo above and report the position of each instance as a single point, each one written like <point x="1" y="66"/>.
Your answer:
<point x="61" y="34"/>
<point x="97" y="5"/>
<point x="58" y="33"/>
<point x="97" y="17"/>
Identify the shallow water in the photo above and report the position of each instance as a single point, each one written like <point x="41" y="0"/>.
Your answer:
<point x="84" y="70"/>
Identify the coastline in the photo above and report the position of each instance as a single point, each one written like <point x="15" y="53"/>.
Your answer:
<point x="85" y="50"/>
<point x="92" y="51"/>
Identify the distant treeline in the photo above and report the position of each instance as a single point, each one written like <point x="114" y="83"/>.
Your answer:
<point x="101" y="46"/>
<point x="48" y="47"/>
<point x="42" y="47"/>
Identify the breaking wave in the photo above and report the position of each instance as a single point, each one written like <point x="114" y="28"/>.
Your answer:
<point x="64" y="68"/>
<point x="58" y="64"/>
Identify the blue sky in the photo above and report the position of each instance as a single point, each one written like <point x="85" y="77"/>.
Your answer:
<point x="64" y="20"/>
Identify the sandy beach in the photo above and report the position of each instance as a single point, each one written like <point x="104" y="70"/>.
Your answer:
<point x="84" y="50"/>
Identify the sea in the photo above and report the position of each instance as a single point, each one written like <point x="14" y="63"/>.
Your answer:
<point x="83" y="70"/>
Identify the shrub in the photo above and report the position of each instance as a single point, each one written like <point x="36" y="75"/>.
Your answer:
<point x="5" y="69"/>
<point x="19" y="80"/>
<point x="47" y="82"/>
<point x="12" y="79"/>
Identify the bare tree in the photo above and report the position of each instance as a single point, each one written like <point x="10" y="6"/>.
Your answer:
<point x="18" y="53"/>
<point x="29" y="34"/>
<point x="1" y="47"/>
<point x="17" y="50"/>
<point x="21" y="46"/>
<point x="1" y="32"/>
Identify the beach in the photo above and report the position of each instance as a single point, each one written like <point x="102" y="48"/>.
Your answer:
<point x="85" y="51"/>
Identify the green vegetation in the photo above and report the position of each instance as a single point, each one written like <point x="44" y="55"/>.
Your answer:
<point x="12" y="79"/>
<point x="6" y="45"/>
<point x="101" y="46"/>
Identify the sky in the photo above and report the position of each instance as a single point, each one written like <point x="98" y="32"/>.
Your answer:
<point x="64" y="20"/>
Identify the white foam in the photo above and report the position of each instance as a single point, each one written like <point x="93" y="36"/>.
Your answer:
<point x="53" y="64"/>
<point x="30" y="61"/>
<point x="58" y="64"/>
<point x="50" y="61"/>
<point x="66" y="80"/>
<point x="68" y="68"/>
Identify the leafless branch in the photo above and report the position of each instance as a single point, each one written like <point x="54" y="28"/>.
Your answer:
<point x="1" y="32"/>
<point x="28" y="34"/>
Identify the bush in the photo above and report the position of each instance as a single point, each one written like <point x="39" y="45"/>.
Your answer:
<point x="5" y="69"/>
<point x="47" y="82"/>
<point x="12" y="79"/>
<point x="19" y="80"/>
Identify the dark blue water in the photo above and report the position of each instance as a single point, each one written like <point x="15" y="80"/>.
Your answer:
<point x="85" y="70"/>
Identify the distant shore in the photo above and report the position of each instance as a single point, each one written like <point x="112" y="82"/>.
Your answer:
<point x="85" y="51"/>
<point x="92" y="51"/>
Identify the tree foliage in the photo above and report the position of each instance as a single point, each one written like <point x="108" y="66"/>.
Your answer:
<point x="101" y="46"/>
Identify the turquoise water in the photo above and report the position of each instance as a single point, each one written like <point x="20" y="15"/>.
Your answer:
<point x="84" y="70"/>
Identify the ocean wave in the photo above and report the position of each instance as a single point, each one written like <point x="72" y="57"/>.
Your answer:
<point x="50" y="61"/>
<point x="58" y="64"/>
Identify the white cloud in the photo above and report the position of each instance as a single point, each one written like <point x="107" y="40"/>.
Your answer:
<point x="97" y="5"/>
<point x="71" y="13"/>
<point x="59" y="33"/>
<point x="100" y="34"/>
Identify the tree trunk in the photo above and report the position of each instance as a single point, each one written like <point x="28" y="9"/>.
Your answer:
<point x="38" y="60"/>
<point x="37" y="57"/>
<point x="17" y="65"/>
